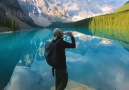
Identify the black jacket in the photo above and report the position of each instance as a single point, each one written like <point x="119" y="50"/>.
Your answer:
<point x="61" y="51"/>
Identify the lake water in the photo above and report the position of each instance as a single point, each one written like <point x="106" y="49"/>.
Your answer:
<point x="97" y="62"/>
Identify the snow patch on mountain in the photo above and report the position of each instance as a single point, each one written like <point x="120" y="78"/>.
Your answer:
<point x="41" y="21"/>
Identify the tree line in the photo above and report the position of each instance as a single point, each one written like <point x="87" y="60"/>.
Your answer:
<point x="9" y="23"/>
<point x="115" y="26"/>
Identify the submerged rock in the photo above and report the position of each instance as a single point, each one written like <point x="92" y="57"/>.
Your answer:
<point x="75" y="86"/>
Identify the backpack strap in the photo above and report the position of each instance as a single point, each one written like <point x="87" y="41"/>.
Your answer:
<point x="53" y="71"/>
<point x="53" y="44"/>
<point x="56" y="42"/>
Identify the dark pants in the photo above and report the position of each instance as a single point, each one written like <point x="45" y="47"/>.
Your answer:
<point x="61" y="79"/>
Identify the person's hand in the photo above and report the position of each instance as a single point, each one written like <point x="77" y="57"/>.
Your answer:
<point x="70" y="34"/>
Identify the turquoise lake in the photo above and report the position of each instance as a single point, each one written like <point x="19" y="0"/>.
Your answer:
<point x="96" y="62"/>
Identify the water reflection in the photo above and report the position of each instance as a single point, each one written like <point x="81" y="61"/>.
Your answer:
<point x="120" y="35"/>
<point x="97" y="62"/>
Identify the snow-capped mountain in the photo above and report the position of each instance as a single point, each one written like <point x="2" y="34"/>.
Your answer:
<point x="44" y="12"/>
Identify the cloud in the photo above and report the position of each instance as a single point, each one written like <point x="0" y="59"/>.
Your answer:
<point x="34" y="78"/>
<point x="76" y="58"/>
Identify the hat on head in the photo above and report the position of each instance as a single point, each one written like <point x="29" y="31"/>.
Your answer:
<point x="56" y="32"/>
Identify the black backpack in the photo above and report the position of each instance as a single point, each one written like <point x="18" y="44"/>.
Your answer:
<point x="50" y="52"/>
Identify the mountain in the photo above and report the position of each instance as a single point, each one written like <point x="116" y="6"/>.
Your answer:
<point x="46" y="12"/>
<point x="114" y="26"/>
<point x="12" y="17"/>
<point x="125" y="7"/>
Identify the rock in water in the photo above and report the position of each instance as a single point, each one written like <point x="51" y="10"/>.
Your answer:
<point x="75" y="86"/>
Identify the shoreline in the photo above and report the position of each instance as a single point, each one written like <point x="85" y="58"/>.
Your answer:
<point x="5" y="30"/>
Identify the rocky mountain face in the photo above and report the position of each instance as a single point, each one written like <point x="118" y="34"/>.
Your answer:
<point x="12" y="16"/>
<point x="67" y="10"/>
<point x="12" y="7"/>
